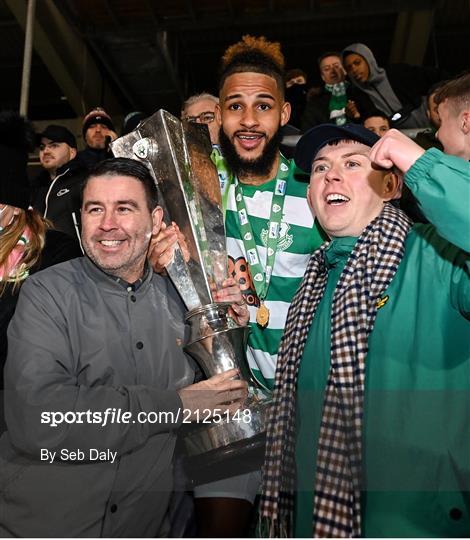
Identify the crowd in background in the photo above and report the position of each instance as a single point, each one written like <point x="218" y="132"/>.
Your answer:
<point x="40" y="220"/>
<point x="355" y="90"/>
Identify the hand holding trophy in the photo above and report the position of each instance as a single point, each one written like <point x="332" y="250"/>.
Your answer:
<point x="178" y="155"/>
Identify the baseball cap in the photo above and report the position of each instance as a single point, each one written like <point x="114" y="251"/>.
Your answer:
<point x="319" y="136"/>
<point x="97" y="116"/>
<point x="57" y="134"/>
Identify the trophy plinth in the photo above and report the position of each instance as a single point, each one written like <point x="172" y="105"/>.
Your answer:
<point x="178" y="157"/>
<point x="218" y="344"/>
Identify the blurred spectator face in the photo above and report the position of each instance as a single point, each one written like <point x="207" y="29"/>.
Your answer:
<point x="53" y="155"/>
<point x="357" y="67"/>
<point x="331" y="70"/>
<point x="453" y="138"/>
<point x="251" y="110"/>
<point x="377" y="124"/>
<point x="96" y="134"/>
<point x="203" y="112"/>
<point x="296" y="80"/>
<point x="432" y="113"/>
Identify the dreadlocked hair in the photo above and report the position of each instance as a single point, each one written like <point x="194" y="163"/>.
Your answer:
<point x="254" y="54"/>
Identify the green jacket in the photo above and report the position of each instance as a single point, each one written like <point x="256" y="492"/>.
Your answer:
<point x="417" y="395"/>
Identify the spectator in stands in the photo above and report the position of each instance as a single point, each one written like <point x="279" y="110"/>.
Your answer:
<point x="453" y="105"/>
<point x="398" y="91"/>
<point x="378" y="122"/>
<point x="98" y="132"/>
<point x="57" y="188"/>
<point x="295" y="76"/>
<point x="334" y="101"/>
<point x="200" y="108"/>
<point x="27" y="242"/>
<point x="296" y="94"/>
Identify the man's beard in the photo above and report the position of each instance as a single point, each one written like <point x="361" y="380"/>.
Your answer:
<point x="260" y="166"/>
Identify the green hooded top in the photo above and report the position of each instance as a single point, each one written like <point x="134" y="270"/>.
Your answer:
<point x="416" y="450"/>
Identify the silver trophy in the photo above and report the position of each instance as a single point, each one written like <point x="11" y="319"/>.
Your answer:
<point x="178" y="156"/>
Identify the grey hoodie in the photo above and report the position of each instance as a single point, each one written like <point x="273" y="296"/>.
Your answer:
<point x="377" y="86"/>
<point x="379" y="90"/>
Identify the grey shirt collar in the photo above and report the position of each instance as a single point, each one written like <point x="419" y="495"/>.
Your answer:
<point x="114" y="282"/>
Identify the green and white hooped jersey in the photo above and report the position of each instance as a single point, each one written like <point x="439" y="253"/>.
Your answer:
<point x="299" y="237"/>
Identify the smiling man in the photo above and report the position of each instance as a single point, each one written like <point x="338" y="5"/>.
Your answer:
<point x="372" y="381"/>
<point x="95" y="368"/>
<point x="115" y="235"/>
<point x="270" y="230"/>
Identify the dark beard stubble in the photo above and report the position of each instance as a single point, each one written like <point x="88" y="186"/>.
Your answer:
<point x="241" y="167"/>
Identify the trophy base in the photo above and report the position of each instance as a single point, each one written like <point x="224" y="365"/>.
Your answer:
<point x="241" y="457"/>
<point x="222" y="449"/>
<point x="248" y="422"/>
<point x="218" y="344"/>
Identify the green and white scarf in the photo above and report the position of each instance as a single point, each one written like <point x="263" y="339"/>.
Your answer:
<point x="338" y="102"/>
